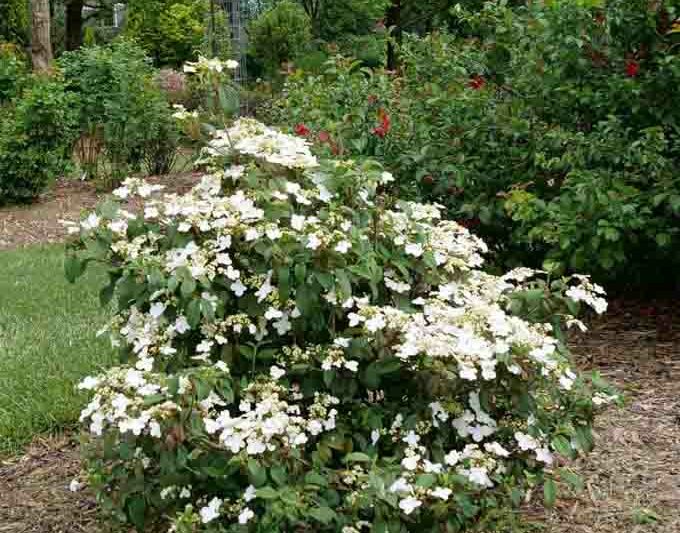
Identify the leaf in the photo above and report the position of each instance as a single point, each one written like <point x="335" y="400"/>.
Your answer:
<point x="136" y="508"/>
<point x="357" y="457"/>
<point x="267" y="493"/>
<point x="257" y="473"/>
<point x="325" y="515"/>
<point x="283" y="275"/>
<point x="73" y="267"/>
<point x="314" y="478"/>
<point x="549" y="492"/>
<point x="279" y="475"/>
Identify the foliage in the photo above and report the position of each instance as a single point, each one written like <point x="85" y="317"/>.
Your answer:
<point x="303" y="352"/>
<point x="122" y="110"/>
<point x="50" y="332"/>
<point x="170" y="31"/>
<point x="14" y="21"/>
<point x="36" y="137"/>
<point x="279" y="35"/>
<point x="518" y="119"/>
<point x="13" y="70"/>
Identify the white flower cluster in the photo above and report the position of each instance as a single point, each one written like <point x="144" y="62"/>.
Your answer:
<point x="212" y="65"/>
<point x="267" y="421"/>
<point x="247" y="136"/>
<point x="120" y="402"/>
<point x="589" y="293"/>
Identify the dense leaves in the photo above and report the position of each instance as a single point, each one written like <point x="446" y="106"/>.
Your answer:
<point x="550" y="129"/>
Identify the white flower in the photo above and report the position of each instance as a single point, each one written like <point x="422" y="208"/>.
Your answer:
<point x="452" y="458"/>
<point x="211" y="511"/>
<point x="276" y="372"/>
<point x="544" y="455"/>
<point x="91" y="222"/>
<point x="89" y="383"/>
<point x="410" y="504"/>
<point x="250" y="493"/>
<point x="386" y="178"/>
<point x="75" y="485"/>
<point x="400" y="485"/>
<point x="410" y="462"/>
<point x="525" y="442"/>
<point x="157" y="309"/>
<point x="414" y="249"/>
<point x="245" y="516"/>
<point x="313" y="242"/>
<point x="442" y="493"/>
<point x="343" y="247"/>
<point x="238" y="288"/>
<point x="375" y="436"/>
<point x="297" y="222"/>
<point x="231" y="64"/>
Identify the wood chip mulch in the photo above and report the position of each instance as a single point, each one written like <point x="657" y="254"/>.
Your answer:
<point x="38" y="223"/>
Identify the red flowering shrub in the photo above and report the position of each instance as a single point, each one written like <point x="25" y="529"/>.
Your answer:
<point x="302" y="130"/>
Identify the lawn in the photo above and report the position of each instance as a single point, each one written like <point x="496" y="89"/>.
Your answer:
<point x="47" y="343"/>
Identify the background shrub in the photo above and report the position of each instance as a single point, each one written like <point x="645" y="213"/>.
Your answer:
<point x="169" y="31"/>
<point x="517" y="119"/>
<point x="13" y="71"/>
<point x="36" y="138"/>
<point x="279" y="35"/>
<point x="122" y="109"/>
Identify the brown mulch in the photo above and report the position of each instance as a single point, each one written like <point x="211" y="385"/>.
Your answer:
<point x="38" y="223"/>
<point x="632" y="478"/>
<point x="35" y="495"/>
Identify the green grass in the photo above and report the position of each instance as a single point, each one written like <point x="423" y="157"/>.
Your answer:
<point x="47" y="343"/>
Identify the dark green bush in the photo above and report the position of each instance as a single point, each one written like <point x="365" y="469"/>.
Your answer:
<point x="552" y="130"/>
<point x="122" y="109"/>
<point x="13" y="71"/>
<point x="279" y="35"/>
<point x="36" y="137"/>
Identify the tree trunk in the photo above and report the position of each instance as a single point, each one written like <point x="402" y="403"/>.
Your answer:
<point x="41" y="45"/>
<point x="74" y="24"/>
<point x="393" y="23"/>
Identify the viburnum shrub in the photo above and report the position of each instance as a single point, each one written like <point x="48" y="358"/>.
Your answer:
<point x="303" y="352"/>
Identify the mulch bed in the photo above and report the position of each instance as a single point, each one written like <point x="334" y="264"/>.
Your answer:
<point x="38" y="223"/>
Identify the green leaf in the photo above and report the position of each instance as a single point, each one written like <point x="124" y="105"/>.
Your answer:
<point x="357" y="457"/>
<point x="314" y="478"/>
<point x="257" y="473"/>
<point x="325" y="515"/>
<point x="549" y="492"/>
<point x="73" y="267"/>
<point x="267" y="493"/>
<point x="279" y="475"/>
<point x="136" y="508"/>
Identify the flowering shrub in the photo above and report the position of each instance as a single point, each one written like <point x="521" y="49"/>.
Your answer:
<point x="302" y="352"/>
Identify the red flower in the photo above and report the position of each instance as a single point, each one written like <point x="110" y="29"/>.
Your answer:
<point x="324" y="136"/>
<point x="385" y="124"/>
<point x="302" y="130"/>
<point x="477" y="82"/>
<point x="632" y="68"/>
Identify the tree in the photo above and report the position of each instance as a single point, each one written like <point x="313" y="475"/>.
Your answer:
<point x="74" y="24"/>
<point x="41" y="43"/>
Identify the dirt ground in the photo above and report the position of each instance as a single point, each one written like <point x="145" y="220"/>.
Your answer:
<point x="632" y="479"/>
<point x="38" y="223"/>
